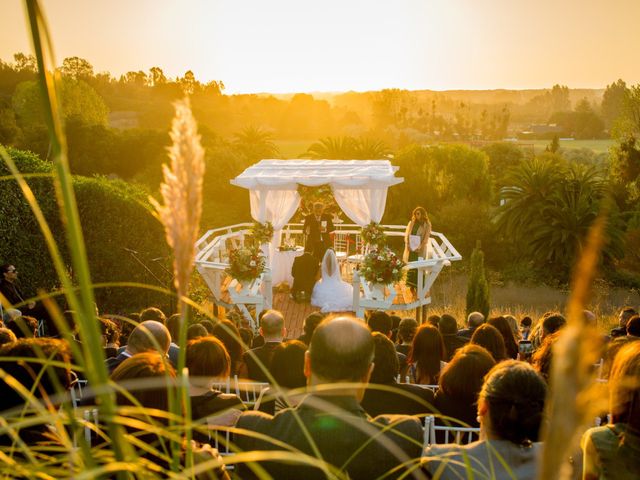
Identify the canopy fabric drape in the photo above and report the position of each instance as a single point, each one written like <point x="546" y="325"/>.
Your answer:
<point x="361" y="205"/>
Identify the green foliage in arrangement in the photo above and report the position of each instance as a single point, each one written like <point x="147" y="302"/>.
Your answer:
<point x="246" y="264"/>
<point x="382" y="265"/>
<point x="478" y="286"/>
<point x="114" y="216"/>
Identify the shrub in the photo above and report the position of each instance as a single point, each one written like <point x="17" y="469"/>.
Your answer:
<point x="478" y="287"/>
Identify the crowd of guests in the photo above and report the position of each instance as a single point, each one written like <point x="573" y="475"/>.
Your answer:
<point x="347" y="394"/>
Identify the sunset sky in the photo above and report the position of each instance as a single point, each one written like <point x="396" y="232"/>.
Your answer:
<point x="331" y="45"/>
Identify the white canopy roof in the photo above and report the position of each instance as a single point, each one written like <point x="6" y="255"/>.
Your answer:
<point x="286" y="174"/>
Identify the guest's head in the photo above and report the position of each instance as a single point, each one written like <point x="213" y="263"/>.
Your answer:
<point x="153" y="313"/>
<point x="207" y="360"/>
<point x="385" y="362"/>
<point x="407" y="330"/>
<point x="9" y="272"/>
<point x="246" y="335"/>
<point x="543" y="356"/>
<point x="624" y="386"/>
<point x="272" y="326"/>
<point x="311" y="322"/>
<point x="127" y="324"/>
<point x="475" y="319"/>
<point x="23" y="326"/>
<point x="145" y="376"/>
<point x="196" y="331"/>
<point x="590" y="318"/>
<point x="427" y="351"/>
<point x="318" y="208"/>
<point x="287" y="364"/>
<point x="463" y="376"/>
<point x="149" y="335"/>
<point x="625" y="314"/>
<point x="110" y="331"/>
<point x="488" y="336"/>
<point x="511" y="403"/>
<point x="10" y="313"/>
<point x="525" y="323"/>
<point x="208" y="324"/>
<point x="633" y="326"/>
<point x="227" y="332"/>
<point x="433" y="320"/>
<point x="173" y="324"/>
<point x="513" y="323"/>
<point x="28" y="370"/>
<point x="419" y="215"/>
<point x="448" y="325"/>
<point x="380" y="321"/>
<point x="7" y="336"/>
<point x="341" y="350"/>
<point x="503" y="327"/>
<point x="552" y="323"/>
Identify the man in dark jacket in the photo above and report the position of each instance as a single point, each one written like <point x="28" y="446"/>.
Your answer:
<point x="317" y="229"/>
<point x="334" y="425"/>
<point x="304" y="272"/>
<point x="258" y="360"/>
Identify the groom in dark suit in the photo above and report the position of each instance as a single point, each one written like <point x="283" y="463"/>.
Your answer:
<point x="317" y="228"/>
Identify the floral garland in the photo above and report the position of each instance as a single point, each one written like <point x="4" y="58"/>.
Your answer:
<point x="262" y="232"/>
<point x="245" y="264"/>
<point x="382" y="265"/>
<point x="373" y="235"/>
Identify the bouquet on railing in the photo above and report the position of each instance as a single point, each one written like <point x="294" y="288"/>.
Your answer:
<point x="246" y="264"/>
<point x="382" y="265"/>
<point x="373" y="235"/>
<point x="262" y="232"/>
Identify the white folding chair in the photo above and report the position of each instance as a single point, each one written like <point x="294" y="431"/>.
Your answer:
<point x="452" y="434"/>
<point x="433" y="388"/>
<point x="249" y="392"/>
<point x="341" y="245"/>
<point x="223" y="385"/>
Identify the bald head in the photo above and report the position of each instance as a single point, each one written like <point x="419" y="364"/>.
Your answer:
<point x="149" y="335"/>
<point x="341" y="349"/>
<point x="272" y="325"/>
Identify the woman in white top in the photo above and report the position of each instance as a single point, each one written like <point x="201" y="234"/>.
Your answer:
<point x="331" y="293"/>
<point x="416" y="239"/>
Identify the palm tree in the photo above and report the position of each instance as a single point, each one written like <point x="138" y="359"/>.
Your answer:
<point x="332" y="148"/>
<point x="370" y="149"/>
<point x="254" y="143"/>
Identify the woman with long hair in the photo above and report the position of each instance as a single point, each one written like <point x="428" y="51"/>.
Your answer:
<point x="510" y="344"/>
<point x="416" y="239"/>
<point x="427" y="355"/>
<point x="489" y="337"/>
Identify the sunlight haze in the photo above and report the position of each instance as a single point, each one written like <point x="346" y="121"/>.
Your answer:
<point x="291" y="46"/>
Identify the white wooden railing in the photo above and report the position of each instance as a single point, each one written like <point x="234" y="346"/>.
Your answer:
<point x="212" y="257"/>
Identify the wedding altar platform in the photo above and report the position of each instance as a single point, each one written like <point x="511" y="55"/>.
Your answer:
<point x="360" y="190"/>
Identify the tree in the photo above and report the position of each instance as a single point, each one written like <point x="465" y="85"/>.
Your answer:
<point x="502" y="157"/>
<point x="613" y="102"/>
<point x="254" y="143"/>
<point x="559" y="98"/>
<point x="138" y="78"/>
<point x="189" y="83"/>
<point x="156" y="77"/>
<point x="332" y="148"/>
<point x="554" y="146"/>
<point x="478" y="286"/>
<point x="77" y="68"/>
<point x="25" y="63"/>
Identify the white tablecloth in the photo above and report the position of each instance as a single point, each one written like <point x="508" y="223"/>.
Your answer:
<point x="281" y="266"/>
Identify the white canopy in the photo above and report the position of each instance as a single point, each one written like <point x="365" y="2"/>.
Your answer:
<point x="287" y="174"/>
<point x="359" y="187"/>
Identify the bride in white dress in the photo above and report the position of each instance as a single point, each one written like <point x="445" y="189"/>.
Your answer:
<point x="331" y="293"/>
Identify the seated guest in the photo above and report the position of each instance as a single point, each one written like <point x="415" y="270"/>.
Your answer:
<point x="474" y="320"/>
<point x="395" y="324"/>
<point x="26" y="372"/>
<point x="310" y="323"/>
<point x="427" y="355"/>
<point x="406" y="332"/>
<point x="258" y="360"/>
<point x="488" y="336"/>
<point x="503" y="327"/>
<point x="448" y="327"/>
<point x="110" y="337"/>
<point x="127" y="324"/>
<point x="208" y="325"/>
<point x="246" y="335"/>
<point x="147" y="336"/>
<point x="513" y="323"/>
<point x="541" y="359"/>
<point x="23" y="326"/>
<point x="405" y="398"/>
<point x="153" y="313"/>
<point x="149" y="380"/>
<point x="551" y="324"/>
<point x="287" y="368"/>
<point x="633" y="326"/>
<point x="525" y="327"/>
<point x="611" y="451"/>
<point x="611" y="350"/>
<point x="208" y="362"/>
<point x="196" y="331"/>
<point x="460" y="383"/>
<point x="380" y="321"/>
<point x="510" y="409"/>
<point x="173" y="325"/>
<point x="433" y="320"/>
<point x="343" y="435"/>
<point x="227" y="332"/>
<point x="7" y="336"/>
<point x="623" y="317"/>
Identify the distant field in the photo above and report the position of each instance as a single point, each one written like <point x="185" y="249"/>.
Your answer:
<point x="598" y="146"/>
<point x="293" y="148"/>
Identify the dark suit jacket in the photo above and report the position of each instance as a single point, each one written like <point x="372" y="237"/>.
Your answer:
<point x="339" y="427"/>
<point x="452" y="343"/>
<point x="113" y="362"/>
<point x="304" y="271"/>
<point x="264" y="354"/>
<point x="382" y="402"/>
<point x="466" y="333"/>
<point x="315" y="234"/>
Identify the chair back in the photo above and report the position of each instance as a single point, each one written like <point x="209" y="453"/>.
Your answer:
<point x="249" y="392"/>
<point x="449" y="433"/>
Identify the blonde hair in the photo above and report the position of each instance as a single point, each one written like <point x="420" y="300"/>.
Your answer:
<point x="425" y="217"/>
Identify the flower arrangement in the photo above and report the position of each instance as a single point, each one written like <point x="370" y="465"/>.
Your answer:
<point x="262" y="232"/>
<point x="373" y="235"/>
<point x="246" y="264"/>
<point x="382" y="265"/>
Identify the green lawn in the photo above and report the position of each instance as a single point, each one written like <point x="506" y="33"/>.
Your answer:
<point x="598" y="146"/>
<point x="293" y="148"/>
